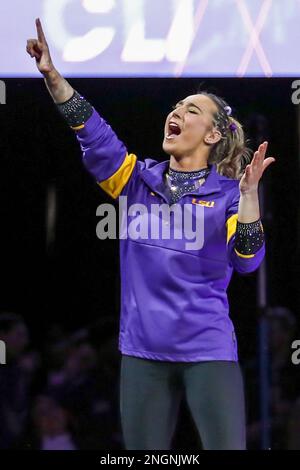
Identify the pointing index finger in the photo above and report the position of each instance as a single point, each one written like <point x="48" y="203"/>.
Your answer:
<point x="40" y="32"/>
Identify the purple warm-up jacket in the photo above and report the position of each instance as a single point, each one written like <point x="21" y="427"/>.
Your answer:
<point x="174" y="304"/>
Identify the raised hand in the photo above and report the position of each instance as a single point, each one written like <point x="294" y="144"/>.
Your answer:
<point x="254" y="171"/>
<point x="39" y="49"/>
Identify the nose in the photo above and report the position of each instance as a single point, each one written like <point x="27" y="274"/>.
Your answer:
<point x="177" y="114"/>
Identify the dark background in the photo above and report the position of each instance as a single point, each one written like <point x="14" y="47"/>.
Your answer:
<point x="75" y="282"/>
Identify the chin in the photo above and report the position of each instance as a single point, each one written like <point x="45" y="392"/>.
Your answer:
<point x="170" y="149"/>
<point x="166" y="148"/>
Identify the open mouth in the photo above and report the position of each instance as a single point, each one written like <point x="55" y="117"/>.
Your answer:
<point x="173" y="131"/>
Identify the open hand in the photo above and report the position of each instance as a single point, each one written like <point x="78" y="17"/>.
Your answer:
<point x="254" y="170"/>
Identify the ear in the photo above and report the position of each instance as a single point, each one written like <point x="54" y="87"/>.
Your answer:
<point x="213" y="136"/>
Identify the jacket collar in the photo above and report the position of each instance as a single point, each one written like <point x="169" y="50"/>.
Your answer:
<point x="154" y="177"/>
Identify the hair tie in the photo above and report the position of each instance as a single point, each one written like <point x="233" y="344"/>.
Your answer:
<point x="233" y="127"/>
<point x="228" y="110"/>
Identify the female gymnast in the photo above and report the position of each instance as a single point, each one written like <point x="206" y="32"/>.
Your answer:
<point x="176" y="337"/>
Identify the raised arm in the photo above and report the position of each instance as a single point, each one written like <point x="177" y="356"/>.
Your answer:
<point x="104" y="155"/>
<point x="246" y="241"/>
<point x="58" y="87"/>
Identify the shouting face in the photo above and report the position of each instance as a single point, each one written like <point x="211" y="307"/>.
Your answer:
<point x="189" y="128"/>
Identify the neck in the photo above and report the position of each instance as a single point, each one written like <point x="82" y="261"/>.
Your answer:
<point x="187" y="163"/>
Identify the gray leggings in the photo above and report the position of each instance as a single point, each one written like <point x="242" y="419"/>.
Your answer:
<point x="151" y="392"/>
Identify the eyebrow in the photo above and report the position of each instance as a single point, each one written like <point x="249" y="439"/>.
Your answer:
<point x="190" y="104"/>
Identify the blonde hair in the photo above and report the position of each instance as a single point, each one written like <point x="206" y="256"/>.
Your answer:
<point x="230" y="153"/>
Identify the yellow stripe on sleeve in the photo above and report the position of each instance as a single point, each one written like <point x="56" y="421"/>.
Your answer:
<point x="115" y="183"/>
<point x="243" y="256"/>
<point x="76" y="128"/>
<point x="231" y="226"/>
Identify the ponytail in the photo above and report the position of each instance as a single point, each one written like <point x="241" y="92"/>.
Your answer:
<point x="230" y="153"/>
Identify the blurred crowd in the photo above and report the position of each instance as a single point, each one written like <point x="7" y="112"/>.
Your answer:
<point x="283" y="384"/>
<point x="64" y="394"/>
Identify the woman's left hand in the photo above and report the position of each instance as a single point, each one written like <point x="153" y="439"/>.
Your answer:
<point x="254" y="170"/>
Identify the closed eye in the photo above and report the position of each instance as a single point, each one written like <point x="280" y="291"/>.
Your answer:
<point x="191" y="111"/>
